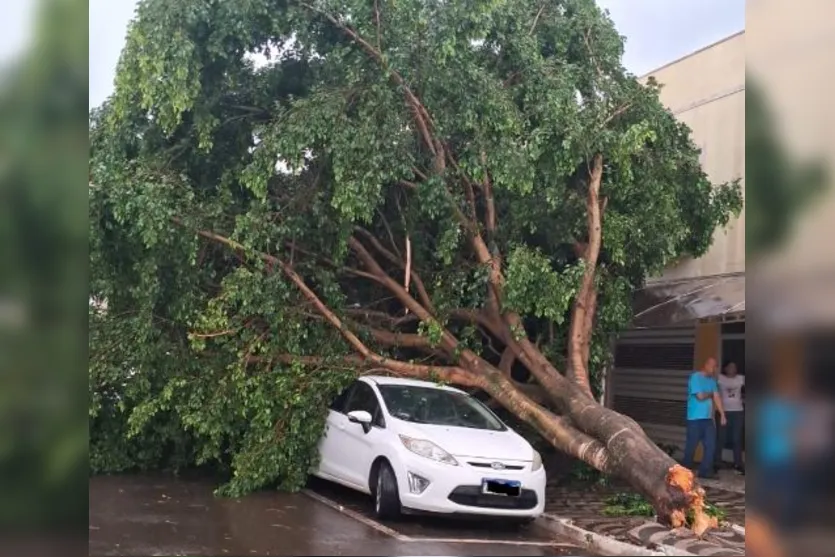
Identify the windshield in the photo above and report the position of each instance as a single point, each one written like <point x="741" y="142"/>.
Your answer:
<point x="427" y="405"/>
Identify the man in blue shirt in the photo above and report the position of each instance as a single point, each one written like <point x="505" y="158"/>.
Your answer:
<point x="702" y="395"/>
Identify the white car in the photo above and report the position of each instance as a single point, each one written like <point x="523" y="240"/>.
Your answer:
<point x="419" y="446"/>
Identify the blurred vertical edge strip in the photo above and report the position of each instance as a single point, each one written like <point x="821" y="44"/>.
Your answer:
<point x="43" y="279"/>
<point x="790" y="255"/>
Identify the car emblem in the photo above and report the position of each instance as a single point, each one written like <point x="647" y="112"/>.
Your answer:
<point x="497" y="466"/>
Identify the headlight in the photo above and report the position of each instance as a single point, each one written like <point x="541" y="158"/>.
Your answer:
<point x="537" y="461"/>
<point x="428" y="449"/>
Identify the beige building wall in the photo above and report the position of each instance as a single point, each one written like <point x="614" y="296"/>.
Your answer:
<point x="706" y="91"/>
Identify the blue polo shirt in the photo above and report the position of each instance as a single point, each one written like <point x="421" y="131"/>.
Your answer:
<point x="778" y="421"/>
<point x="700" y="409"/>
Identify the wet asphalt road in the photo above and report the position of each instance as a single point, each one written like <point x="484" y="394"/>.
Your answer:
<point x="159" y="515"/>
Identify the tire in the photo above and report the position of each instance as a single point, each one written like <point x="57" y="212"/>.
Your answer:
<point x="386" y="494"/>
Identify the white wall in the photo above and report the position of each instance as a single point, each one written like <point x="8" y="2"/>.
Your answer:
<point x="706" y="90"/>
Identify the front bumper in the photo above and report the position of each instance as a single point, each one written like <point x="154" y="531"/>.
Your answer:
<point x="457" y="489"/>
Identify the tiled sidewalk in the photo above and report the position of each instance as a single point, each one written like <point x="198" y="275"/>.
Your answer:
<point x="584" y="505"/>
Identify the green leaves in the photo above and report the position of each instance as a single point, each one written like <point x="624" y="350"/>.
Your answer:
<point x="432" y="330"/>
<point x="534" y="287"/>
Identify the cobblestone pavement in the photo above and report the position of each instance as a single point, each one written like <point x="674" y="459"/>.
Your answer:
<point x="727" y="480"/>
<point x="721" y="543"/>
<point x="584" y="505"/>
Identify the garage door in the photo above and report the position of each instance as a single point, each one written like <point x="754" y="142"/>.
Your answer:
<point x="649" y="380"/>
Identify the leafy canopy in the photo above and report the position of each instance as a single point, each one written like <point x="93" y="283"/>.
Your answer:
<point x="285" y="126"/>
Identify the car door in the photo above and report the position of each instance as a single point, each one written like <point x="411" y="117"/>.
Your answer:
<point x="330" y="444"/>
<point x="359" y="449"/>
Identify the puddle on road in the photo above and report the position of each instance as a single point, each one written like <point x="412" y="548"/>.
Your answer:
<point x="129" y="516"/>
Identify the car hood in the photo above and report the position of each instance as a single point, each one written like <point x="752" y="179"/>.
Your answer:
<point x="472" y="443"/>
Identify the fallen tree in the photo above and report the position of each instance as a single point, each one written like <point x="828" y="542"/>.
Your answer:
<point x="465" y="192"/>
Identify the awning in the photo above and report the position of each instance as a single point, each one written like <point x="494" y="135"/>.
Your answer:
<point x="685" y="302"/>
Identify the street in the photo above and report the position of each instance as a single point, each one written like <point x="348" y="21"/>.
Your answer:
<point x="160" y="515"/>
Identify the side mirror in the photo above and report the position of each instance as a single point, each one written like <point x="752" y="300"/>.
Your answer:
<point x="360" y="417"/>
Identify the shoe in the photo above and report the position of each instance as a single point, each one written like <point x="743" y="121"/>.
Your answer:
<point x="740" y="470"/>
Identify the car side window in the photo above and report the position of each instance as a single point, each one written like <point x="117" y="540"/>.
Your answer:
<point x="363" y="397"/>
<point x="338" y="405"/>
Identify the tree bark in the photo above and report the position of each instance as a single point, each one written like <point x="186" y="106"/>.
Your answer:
<point x="609" y="442"/>
<point x="582" y="315"/>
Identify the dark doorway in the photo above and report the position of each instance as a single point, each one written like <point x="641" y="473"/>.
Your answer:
<point x="733" y="350"/>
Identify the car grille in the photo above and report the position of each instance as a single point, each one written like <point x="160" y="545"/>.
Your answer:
<point x="490" y="465"/>
<point x="471" y="496"/>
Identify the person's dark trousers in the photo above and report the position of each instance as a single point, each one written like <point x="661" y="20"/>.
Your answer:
<point x="733" y="429"/>
<point x="703" y="431"/>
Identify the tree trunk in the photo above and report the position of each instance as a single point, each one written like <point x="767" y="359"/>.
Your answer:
<point x="609" y="442"/>
<point x="635" y="458"/>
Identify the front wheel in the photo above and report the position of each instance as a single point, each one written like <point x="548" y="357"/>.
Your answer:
<point x="386" y="494"/>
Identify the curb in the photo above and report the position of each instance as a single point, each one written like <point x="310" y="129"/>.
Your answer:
<point x="604" y="544"/>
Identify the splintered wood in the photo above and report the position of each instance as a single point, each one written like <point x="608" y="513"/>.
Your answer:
<point x="679" y="477"/>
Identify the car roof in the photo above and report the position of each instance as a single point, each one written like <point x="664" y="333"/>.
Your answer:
<point x="385" y="380"/>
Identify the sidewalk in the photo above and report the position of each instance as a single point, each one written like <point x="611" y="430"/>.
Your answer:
<point x="581" y="505"/>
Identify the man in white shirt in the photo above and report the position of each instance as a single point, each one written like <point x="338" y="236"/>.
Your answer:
<point x="731" y="385"/>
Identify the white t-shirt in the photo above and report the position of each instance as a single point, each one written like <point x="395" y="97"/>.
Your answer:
<point x="731" y="390"/>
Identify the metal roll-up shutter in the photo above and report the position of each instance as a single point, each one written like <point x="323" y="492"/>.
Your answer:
<point x="649" y="380"/>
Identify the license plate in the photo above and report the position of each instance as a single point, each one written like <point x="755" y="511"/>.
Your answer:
<point x="510" y="488"/>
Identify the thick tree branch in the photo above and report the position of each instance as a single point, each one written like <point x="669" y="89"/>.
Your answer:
<point x="557" y="430"/>
<point x="215" y="333"/>
<point x="466" y="358"/>
<point x="617" y="112"/>
<point x="582" y="314"/>
<point x="480" y="248"/>
<point x="451" y="374"/>
<point x="380" y="316"/>
<point x="489" y="201"/>
<point x="407" y="272"/>
<point x="506" y="362"/>
<point x="588" y="325"/>
<point x="504" y="327"/>
<point x="422" y="118"/>
<point x="423" y="294"/>
<point x="401" y="340"/>
<point x="470" y="193"/>
<point x="364" y="352"/>
<point x="390" y="233"/>
<point x="536" y="19"/>
<point x="377" y="21"/>
<point x="357" y="273"/>
<point x="293" y="247"/>
<point x="448" y="342"/>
